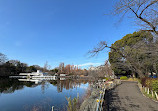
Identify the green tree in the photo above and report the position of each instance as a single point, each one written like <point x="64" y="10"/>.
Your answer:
<point x="31" y="69"/>
<point x="134" y="53"/>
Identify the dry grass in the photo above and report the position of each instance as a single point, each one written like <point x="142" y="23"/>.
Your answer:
<point x="133" y="79"/>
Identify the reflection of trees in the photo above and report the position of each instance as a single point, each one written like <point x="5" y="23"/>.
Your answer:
<point x="10" y="85"/>
<point x="70" y="84"/>
<point x="54" y="83"/>
<point x="44" y="86"/>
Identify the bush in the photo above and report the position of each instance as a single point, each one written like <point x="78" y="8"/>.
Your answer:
<point x="143" y="81"/>
<point x="151" y="83"/>
<point x="123" y="78"/>
<point x="154" y="85"/>
<point x="107" y="78"/>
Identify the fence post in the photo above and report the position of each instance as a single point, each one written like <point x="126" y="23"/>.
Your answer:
<point x="156" y="95"/>
<point x="152" y="93"/>
<point x="140" y="86"/>
<point x="145" y="89"/>
<point x="148" y="91"/>
<point x="52" y="108"/>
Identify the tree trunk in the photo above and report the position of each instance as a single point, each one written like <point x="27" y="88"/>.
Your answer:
<point x="140" y="74"/>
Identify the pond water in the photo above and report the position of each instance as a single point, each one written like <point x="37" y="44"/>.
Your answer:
<point x="17" y="95"/>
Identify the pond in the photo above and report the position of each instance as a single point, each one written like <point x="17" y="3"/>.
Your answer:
<point x="18" y="95"/>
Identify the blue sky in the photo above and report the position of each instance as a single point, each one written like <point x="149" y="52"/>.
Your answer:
<point x="36" y="31"/>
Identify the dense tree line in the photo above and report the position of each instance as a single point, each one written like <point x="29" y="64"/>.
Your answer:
<point x="99" y="71"/>
<point x="69" y="69"/>
<point x="14" y="67"/>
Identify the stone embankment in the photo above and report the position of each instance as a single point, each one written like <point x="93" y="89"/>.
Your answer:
<point x="95" y="100"/>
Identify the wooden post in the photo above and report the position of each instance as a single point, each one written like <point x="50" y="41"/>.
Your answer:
<point x="152" y="93"/>
<point x="148" y="91"/>
<point x="145" y="89"/>
<point x="156" y="95"/>
<point x="140" y="86"/>
<point x="52" y="108"/>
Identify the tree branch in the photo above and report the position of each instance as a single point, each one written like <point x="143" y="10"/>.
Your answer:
<point x="153" y="2"/>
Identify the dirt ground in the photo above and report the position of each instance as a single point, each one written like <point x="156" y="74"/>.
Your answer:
<point x="127" y="97"/>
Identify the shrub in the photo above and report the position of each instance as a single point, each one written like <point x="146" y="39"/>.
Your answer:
<point x="107" y="78"/>
<point x="146" y="81"/>
<point x="154" y="85"/>
<point x="151" y="83"/>
<point x="123" y="78"/>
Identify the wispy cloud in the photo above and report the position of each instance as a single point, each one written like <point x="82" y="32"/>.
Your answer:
<point x="89" y="64"/>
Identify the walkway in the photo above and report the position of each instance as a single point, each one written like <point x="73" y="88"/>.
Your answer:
<point x="127" y="97"/>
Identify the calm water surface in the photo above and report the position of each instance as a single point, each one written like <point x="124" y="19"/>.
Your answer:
<point x="17" y="95"/>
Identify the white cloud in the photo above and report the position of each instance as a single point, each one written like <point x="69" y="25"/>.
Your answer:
<point x="89" y="64"/>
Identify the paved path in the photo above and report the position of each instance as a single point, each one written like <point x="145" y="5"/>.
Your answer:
<point x="127" y="97"/>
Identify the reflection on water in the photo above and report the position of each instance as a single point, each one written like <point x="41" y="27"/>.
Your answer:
<point x="10" y="85"/>
<point x="25" y="95"/>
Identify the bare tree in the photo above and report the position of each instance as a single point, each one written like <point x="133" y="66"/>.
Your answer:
<point x="67" y="69"/>
<point x="104" y="70"/>
<point x="101" y="46"/>
<point x="146" y="11"/>
<point x="3" y="58"/>
<point x="45" y="68"/>
<point x="61" y="67"/>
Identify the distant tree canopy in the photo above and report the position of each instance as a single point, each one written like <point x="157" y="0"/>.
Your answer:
<point x="14" y="67"/>
<point x="70" y="69"/>
<point x="135" y="53"/>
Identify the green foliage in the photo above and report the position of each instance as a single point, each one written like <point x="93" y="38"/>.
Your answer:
<point x="107" y="78"/>
<point x="31" y="69"/>
<point x="54" y="70"/>
<point x="123" y="78"/>
<point x="154" y="85"/>
<point x="150" y="83"/>
<point x="14" y="67"/>
<point x="127" y="58"/>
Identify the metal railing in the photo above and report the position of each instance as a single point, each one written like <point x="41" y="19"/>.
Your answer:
<point x="104" y="87"/>
<point x="101" y="97"/>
